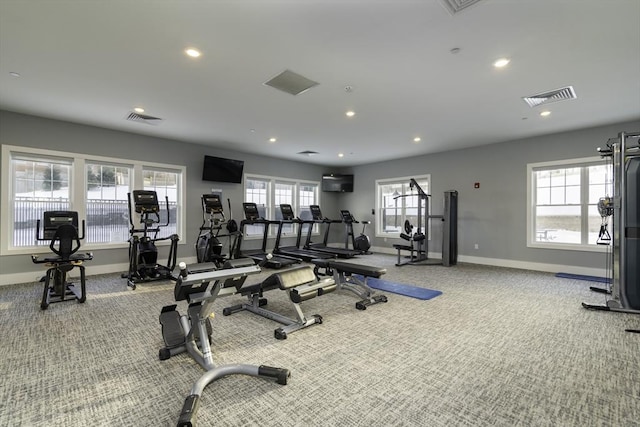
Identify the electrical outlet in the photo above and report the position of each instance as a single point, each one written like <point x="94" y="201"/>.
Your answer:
<point x="476" y="246"/>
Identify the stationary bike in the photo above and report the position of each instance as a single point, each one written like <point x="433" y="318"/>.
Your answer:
<point x="61" y="228"/>
<point x="143" y="253"/>
<point x="361" y="243"/>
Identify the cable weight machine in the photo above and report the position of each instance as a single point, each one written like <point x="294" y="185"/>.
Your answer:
<point x="418" y="246"/>
<point x="624" y="210"/>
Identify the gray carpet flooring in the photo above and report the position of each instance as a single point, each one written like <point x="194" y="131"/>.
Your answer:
<point x="500" y="347"/>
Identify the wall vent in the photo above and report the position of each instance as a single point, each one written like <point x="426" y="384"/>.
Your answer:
<point x="143" y="118"/>
<point x="561" y="94"/>
<point x="291" y="83"/>
<point x="308" y="153"/>
<point x="455" y="6"/>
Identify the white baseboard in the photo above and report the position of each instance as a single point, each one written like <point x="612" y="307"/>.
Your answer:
<point x="522" y="265"/>
<point x="35" y="275"/>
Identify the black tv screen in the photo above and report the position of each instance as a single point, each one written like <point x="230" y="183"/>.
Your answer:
<point x="222" y="170"/>
<point x="337" y="183"/>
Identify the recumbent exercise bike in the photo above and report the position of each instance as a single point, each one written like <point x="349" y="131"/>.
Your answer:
<point x="61" y="228"/>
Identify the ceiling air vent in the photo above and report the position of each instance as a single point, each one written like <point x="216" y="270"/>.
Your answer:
<point x="308" y="153"/>
<point x="561" y="94"/>
<point x="291" y="83"/>
<point x="143" y="118"/>
<point x="455" y="6"/>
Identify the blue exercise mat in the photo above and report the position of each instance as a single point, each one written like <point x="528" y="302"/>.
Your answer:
<point x="399" y="288"/>
<point x="584" y="277"/>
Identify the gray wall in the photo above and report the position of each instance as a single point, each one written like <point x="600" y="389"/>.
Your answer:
<point x="493" y="216"/>
<point x="29" y="131"/>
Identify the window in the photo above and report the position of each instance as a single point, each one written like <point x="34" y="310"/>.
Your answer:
<point x="396" y="203"/>
<point x="40" y="184"/>
<point x="269" y="192"/>
<point x="563" y="198"/>
<point x="36" y="180"/>
<point x="165" y="184"/>
<point x="107" y="208"/>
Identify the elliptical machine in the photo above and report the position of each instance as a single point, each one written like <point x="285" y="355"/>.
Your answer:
<point x="143" y="253"/>
<point x="208" y="245"/>
<point x="361" y="243"/>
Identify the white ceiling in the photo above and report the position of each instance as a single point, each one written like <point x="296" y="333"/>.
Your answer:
<point x="92" y="61"/>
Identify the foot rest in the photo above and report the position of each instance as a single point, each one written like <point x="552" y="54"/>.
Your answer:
<point x="312" y="290"/>
<point x="171" y="327"/>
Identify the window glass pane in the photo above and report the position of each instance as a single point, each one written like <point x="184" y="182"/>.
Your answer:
<point x="165" y="184"/>
<point x="573" y="195"/>
<point x="398" y="203"/>
<point x="107" y="208"/>
<point x="558" y="224"/>
<point x="557" y="195"/>
<point x="572" y="176"/>
<point x="543" y="196"/>
<point x="39" y="185"/>
<point x="256" y="192"/>
<point x="557" y="177"/>
<point x="283" y="193"/>
<point x="543" y="178"/>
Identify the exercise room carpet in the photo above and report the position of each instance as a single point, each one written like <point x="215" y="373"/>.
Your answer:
<point x="500" y="347"/>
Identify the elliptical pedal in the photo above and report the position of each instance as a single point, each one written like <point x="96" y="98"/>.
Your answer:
<point x="172" y="331"/>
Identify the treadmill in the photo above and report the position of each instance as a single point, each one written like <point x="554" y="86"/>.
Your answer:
<point x="316" y="214"/>
<point x="252" y="217"/>
<point x="296" y="251"/>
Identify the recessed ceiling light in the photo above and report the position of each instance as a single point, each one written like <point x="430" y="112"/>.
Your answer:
<point x="14" y="74"/>
<point x="502" y="62"/>
<point x="350" y="113"/>
<point x="139" y="110"/>
<point x="272" y="140"/>
<point x="340" y="154"/>
<point x="545" y="113"/>
<point x="194" y="53"/>
<point x="417" y="139"/>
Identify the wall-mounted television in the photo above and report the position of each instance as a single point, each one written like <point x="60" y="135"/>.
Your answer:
<point x="222" y="170"/>
<point x="338" y="183"/>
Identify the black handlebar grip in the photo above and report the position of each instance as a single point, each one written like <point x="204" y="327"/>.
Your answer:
<point x="189" y="410"/>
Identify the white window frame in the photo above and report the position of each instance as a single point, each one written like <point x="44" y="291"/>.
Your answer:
<point x="270" y="212"/>
<point x="532" y="242"/>
<point x="78" y="195"/>
<point x="379" y="208"/>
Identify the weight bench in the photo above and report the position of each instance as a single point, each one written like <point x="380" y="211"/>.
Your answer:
<point x="343" y="272"/>
<point x="300" y="283"/>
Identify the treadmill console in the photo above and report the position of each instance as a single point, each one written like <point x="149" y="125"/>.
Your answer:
<point x="251" y="211"/>
<point x="287" y="212"/>
<point x="316" y="213"/>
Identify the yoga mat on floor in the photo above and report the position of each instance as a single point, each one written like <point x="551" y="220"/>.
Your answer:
<point x="400" y="289"/>
<point x="583" y="277"/>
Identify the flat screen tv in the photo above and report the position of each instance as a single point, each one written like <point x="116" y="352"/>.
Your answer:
<point x="337" y="183"/>
<point x="222" y="170"/>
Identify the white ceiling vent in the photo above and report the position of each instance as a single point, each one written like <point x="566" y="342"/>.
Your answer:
<point x="143" y="118"/>
<point x="308" y="153"/>
<point x="291" y="83"/>
<point x="561" y="94"/>
<point x="455" y="6"/>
